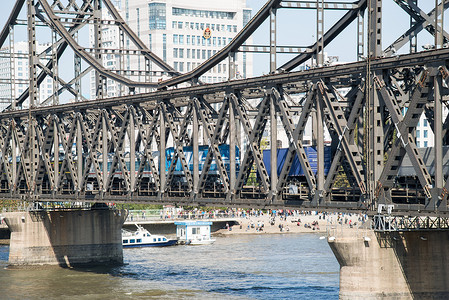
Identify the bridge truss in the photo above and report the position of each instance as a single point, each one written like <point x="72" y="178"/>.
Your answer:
<point x="115" y="149"/>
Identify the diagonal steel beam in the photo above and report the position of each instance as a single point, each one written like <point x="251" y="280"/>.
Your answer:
<point x="295" y="139"/>
<point x="254" y="134"/>
<point x="405" y="141"/>
<point x="213" y="137"/>
<point x="340" y="125"/>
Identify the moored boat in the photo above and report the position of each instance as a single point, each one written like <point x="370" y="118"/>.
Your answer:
<point x="143" y="238"/>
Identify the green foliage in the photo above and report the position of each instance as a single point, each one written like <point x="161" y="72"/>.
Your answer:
<point x="341" y="180"/>
<point x="132" y="206"/>
<point x="8" y="204"/>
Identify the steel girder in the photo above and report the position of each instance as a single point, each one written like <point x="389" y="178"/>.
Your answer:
<point x="62" y="152"/>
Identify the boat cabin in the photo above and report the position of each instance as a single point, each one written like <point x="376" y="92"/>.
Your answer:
<point x="193" y="232"/>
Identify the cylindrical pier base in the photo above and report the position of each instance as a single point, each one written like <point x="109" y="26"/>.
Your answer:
<point x="392" y="265"/>
<point x="65" y="237"/>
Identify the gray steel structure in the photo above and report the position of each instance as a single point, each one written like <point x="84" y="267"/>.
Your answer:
<point x="370" y="134"/>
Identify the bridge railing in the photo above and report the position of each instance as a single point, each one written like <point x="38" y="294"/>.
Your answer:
<point x="144" y="215"/>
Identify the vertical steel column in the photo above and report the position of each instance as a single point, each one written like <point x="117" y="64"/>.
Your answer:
<point x="132" y="152"/>
<point x="54" y="57"/>
<point x="99" y="80"/>
<point x="12" y="64"/>
<point x="374" y="124"/>
<point x="196" y="157"/>
<point x="162" y="150"/>
<point x="319" y="147"/>
<point x="77" y="61"/>
<point x="375" y="28"/>
<point x="232" y="144"/>
<point x="121" y="61"/>
<point x="360" y="34"/>
<point x="104" y="137"/>
<point x="231" y="68"/>
<point x="438" y="129"/>
<point x="56" y="154"/>
<point x="147" y="73"/>
<point x="14" y="155"/>
<point x="33" y="92"/>
<point x="273" y="146"/>
<point x="79" y="153"/>
<point x="273" y="12"/>
<point x="319" y="33"/>
<point x="439" y="17"/>
<point x="413" y="36"/>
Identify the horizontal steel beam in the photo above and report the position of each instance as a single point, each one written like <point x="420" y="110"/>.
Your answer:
<point x="356" y="68"/>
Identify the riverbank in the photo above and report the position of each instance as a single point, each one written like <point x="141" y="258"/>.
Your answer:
<point x="302" y="223"/>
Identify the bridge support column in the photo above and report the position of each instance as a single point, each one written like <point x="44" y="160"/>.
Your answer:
<point x="65" y="238"/>
<point x="392" y="265"/>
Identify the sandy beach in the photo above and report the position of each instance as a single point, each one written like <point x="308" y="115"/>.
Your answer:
<point x="301" y="223"/>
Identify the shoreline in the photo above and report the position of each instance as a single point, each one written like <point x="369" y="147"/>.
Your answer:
<point x="308" y="223"/>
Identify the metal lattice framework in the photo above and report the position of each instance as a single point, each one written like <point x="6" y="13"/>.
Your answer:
<point x="116" y="150"/>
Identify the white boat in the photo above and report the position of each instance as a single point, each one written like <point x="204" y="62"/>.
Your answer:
<point x="143" y="238"/>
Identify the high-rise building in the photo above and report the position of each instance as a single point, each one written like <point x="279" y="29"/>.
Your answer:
<point x="183" y="33"/>
<point x="14" y="72"/>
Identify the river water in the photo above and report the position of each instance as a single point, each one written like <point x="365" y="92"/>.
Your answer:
<point x="269" y="266"/>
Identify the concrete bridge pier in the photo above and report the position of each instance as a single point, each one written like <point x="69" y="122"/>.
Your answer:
<point x="392" y="265"/>
<point x="65" y="237"/>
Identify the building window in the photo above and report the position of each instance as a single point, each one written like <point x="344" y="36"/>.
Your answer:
<point x="175" y="65"/>
<point x="425" y="122"/>
<point x="202" y="13"/>
<point x="175" y="52"/>
<point x="181" y="67"/>
<point x="209" y="52"/>
<point x="181" y="39"/>
<point x="181" y="53"/>
<point x="157" y="16"/>
<point x="188" y="40"/>
<point x="193" y="53"/>
<point x="179" y="25"/>
<point x="198" y="51"/>
<point x="425" y="133"/>
<point x="203" y="55"/>
<point x="425" y="144"/>
<point x="246" y="16"/>
<point x="417" y="133"/>
<point x="188" y="53"/>
<point x="175" y="39"/>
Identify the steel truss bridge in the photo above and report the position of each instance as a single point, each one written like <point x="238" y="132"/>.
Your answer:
<point x="372" y="126"/>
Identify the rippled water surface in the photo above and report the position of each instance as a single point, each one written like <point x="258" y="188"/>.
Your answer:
<point x="291" y="266"/>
